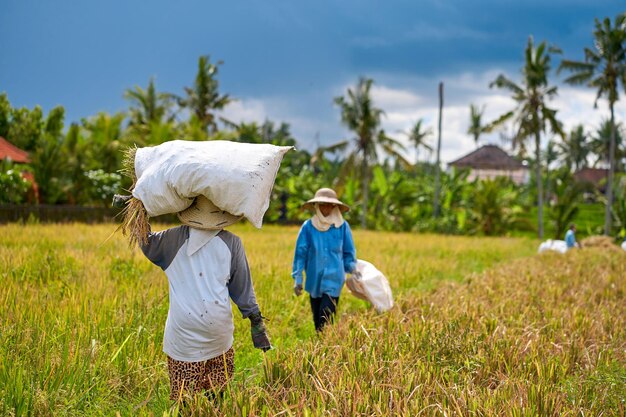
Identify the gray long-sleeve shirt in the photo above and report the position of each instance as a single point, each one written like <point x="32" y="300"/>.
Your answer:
<point x="202" y="277"/>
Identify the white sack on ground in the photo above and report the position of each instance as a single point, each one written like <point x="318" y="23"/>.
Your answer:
<point x="624" y="245"/>
<point x="236" y="177"/>
<point x="554" y="245"/>
<point x="373" y="286"/>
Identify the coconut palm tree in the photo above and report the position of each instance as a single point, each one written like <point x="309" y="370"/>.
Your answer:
<point x="532" y="115"/>
<point x="476" y="127"/>
<point x="104" y="133"/>
<point x="604" y="68"/>
<point x="600" y="144"/>
<point x="147" y="107"/>
<point x="575" y="149"/>
<point x="417" y="137"/>
<point x="204" y="98"/>
<point x="359" y="114"/>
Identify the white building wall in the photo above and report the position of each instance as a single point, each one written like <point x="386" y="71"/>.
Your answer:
<point x="518" y="176"/>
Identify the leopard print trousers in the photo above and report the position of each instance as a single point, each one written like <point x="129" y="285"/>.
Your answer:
<point x="210" y="375"/>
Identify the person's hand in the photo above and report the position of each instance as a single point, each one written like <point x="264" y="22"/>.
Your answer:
<point x="297" y="290"/>
<point x="260" y="340"/>
<point x="356" y="275"/>
<point x="119" y="201"/>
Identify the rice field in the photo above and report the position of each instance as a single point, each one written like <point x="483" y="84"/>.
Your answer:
<point x="481" y="327"/>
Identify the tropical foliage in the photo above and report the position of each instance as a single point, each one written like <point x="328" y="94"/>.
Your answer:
<point x="604" y="69"/>
<point x="362" y="117"/>
<point x="532" y="115"/>
<point x="387" y="186"/>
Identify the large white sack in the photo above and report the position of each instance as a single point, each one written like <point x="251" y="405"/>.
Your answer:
<point x="553" y="245"/>
<point x="373" y="286"/>
<point x="236" y="177"/>
<point x="624" y="245"/>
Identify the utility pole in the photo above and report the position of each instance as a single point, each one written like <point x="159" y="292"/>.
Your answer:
<point x="609" y="184"/>
<point x="437" y="167"/>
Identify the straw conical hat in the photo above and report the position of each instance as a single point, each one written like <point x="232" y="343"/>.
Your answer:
<point x="203" y="214"/>
<point x="328" y="196"/>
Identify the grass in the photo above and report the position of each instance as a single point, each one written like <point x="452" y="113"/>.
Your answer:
<point x="482" y="326"/>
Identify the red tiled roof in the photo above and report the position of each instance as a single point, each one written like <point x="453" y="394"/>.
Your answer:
<point x="592" y="175"/>
<point x="488" y="157"/>
<point x="9" y="151"/>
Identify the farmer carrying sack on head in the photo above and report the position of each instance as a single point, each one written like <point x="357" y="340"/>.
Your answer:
<point x="206" y="266"/>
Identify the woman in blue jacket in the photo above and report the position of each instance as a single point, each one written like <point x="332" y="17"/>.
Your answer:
<point x="325" y="253"/>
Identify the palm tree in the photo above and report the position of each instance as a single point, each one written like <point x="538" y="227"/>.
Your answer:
<point x="575" y="148"/>
<point x="148" y="107"/>
<point x="417" y="137"/>
<point x="532" y="114"/>
<point x="600" y="144"/>
<point x="203" y="98"/>
<point x="476" y="128"/>
<point x="604" y="68"/>
<point x="359" y="114"/>
<point x="319" y="156"/>
<point x="105" y="137"/>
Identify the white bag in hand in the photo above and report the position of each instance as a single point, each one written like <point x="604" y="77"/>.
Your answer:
<point x="372" y="286"/>
<point x="236" y="177"/>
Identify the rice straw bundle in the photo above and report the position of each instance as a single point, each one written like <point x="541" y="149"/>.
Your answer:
<point x="134" y="216"/>
<point x="604" y="242"/>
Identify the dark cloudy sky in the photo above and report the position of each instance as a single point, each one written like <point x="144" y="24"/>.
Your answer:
<point x="286" y="59"/>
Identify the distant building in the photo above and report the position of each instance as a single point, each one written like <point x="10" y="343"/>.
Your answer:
<point x="11" y="153"/>
<point x="490" y="161"/>
<point x="595" y="177"/>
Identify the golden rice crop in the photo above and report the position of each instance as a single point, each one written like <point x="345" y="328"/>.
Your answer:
<point x="482" y="326"/>
<point x="135" y="223"/>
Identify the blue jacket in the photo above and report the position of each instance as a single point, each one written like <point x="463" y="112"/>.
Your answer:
<point x="570" y="239"/>
<point x="325" y="257"/>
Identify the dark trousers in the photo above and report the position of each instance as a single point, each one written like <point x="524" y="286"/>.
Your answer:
<point x="323" y="309"/>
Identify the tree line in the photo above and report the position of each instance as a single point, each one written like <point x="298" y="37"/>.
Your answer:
<point x="80" y="164"/>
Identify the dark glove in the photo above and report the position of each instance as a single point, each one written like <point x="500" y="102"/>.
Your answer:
<point x="297" y="290"/>
<point x="119" y="201"/>
<point x="259" y="333"/>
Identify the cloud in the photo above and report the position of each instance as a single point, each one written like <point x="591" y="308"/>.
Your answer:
<point x="575" y="106"/>
<point x="419" y="33"/>
<point x="425" y="31"/>
<point x="245" y="110"/>
<point x="314" y="121"/>
<point x="389" y="99"/>
<point x="311" y="129"/>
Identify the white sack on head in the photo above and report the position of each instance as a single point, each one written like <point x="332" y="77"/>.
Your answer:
<point x="236" y="177"/>
<point x="373" y="286"/>
<point x="553" y="245"/>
